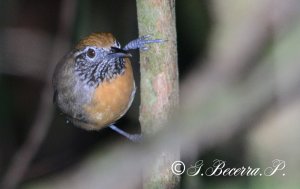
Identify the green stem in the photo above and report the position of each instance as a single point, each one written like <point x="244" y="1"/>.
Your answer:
<point x="159" y="84"/>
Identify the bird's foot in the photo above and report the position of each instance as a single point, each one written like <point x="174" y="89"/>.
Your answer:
<point x="132" y="137"/>
<point x="140" y="43"/>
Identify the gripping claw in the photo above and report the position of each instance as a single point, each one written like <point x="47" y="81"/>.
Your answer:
<point x="140" y="43"/>
<point x="132" y="137"/>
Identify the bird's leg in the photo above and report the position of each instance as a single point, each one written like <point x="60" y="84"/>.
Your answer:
<point x="140" y="43"/>
<point x="132" y="137"/>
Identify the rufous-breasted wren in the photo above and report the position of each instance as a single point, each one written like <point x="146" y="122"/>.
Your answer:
<point x="94" y="84"/>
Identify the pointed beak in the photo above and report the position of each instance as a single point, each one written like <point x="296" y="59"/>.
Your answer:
<point x="118" y="53"/>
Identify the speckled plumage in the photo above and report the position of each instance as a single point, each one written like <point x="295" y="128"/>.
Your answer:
<point x="94" y="85"/>
<point x="94" y="92"/>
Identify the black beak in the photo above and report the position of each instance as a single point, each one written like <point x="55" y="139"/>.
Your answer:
<point x="118" y="53"/>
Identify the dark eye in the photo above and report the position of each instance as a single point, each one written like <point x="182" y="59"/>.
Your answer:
<point x="91" y="53"/>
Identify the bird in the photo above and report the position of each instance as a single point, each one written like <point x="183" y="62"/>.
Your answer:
<point x="94" y="84"/>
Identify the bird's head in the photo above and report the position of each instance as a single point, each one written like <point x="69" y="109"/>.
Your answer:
<point x="99" y="57"/>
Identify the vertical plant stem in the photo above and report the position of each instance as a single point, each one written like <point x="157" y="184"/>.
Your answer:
<point x="159" y="85"/>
